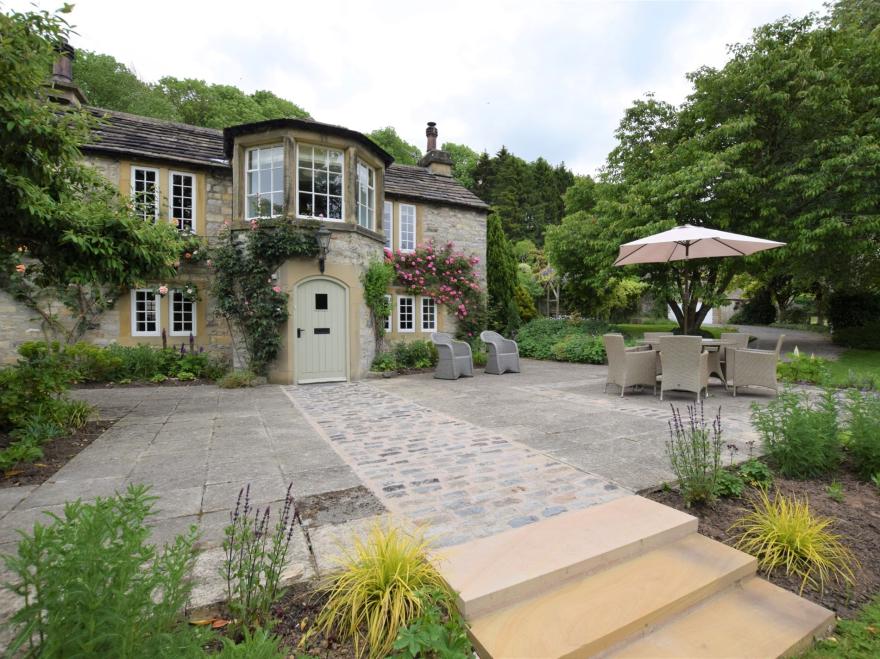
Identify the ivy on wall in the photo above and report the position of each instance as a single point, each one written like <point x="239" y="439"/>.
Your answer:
<point x="447" y="276"/>
<point x="376" y="279"/>
<point x="244" y="262"/>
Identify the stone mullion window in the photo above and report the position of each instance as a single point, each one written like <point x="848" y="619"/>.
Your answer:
<point x="319" y="182"/>
<point x="406" y="311"/>
<point x="407" y="227"/>
<point x="183" y="315"/>
<point x="264" y="182"/>
<point x="366" y="195"/>
<point x="183" y="201"/>
<point x="145" y="192"/>
<point x="429" y="314"/>
<point x="145" y="317"/>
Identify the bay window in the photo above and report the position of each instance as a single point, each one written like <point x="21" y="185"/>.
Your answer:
<point x="366" y="195"/>
<point x="264" y="182"/>
<point x="319" y="180"/>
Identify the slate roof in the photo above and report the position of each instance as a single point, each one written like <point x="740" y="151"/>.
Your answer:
<point x="419" y="183"/>
<point x="123" y="134"/>
<point x="128" y="134"/>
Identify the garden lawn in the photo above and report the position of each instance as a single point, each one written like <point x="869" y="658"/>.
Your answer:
<point x="863" y="364"/>
<point x="852" y="638"/>
<point x="637" y="330"/>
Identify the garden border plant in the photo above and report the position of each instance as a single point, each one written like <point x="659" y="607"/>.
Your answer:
<point x="244" y="261"/>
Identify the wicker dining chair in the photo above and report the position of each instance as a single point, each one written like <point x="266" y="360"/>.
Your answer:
<point x="685" y="365"/>
<point x="754" y="368"/>
<point x="628" y="367"/>
<point x="454" y="358"/>
<point x="718" y="358"/>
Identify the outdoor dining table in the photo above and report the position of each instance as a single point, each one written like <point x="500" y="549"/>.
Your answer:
<point x="709" y="345"/>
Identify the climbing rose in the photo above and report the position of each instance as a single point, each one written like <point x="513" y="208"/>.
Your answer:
<point x="277" y="289"/>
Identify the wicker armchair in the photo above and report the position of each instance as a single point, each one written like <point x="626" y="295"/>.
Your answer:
<point x="653" y="338"/>
<point x="629" y="366"/>
<point x="718" y="358"/>
<point x="685" y="365"/>
<point x="754" y="368"/>
<point x="503" y="354"/>
<point x="454" y="358"/>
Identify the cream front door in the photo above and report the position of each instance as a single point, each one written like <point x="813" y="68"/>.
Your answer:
<point x="320" y="332"/>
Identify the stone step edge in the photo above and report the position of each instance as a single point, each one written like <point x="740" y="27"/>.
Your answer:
<point x="653" y="618"/>
<point x="533" y="585"/>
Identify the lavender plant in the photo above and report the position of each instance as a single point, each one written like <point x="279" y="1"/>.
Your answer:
<point x="256" y="553"/>
<point x="694" y="451"/>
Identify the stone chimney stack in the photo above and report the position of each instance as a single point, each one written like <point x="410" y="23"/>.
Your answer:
<point x="62" y="88"/>
<point x="437" y="161"/>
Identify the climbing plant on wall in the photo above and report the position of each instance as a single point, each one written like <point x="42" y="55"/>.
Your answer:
<point x="447" y="276"/>
<point x="376" y="280"/>
<point x="244" y="262"/>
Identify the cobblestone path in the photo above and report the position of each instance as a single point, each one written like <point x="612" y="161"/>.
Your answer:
<point x="457" y="479"/>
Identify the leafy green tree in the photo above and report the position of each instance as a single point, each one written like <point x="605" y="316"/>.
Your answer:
<point x="501" y="279"/>
<point x="580" y="196"/>
<point x="464" y="161"/>
<point x="107" y="83"/>
<point x="404" y="153"/>
<point x="64" y="231"/>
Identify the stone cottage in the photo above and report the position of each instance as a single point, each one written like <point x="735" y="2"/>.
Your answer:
<point x="200" y="178"/>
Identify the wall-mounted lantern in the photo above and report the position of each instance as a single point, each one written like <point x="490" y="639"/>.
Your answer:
<point x="323" y="237"/>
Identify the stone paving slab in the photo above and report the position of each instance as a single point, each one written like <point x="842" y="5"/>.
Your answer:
<point x="455" y="478"/>
<point x="563" y="411"/>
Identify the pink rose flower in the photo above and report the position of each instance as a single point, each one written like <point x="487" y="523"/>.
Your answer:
<point x="277" y="289"/>
<point x="163" y="290"/>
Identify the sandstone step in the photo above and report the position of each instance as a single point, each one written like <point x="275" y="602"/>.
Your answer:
<point x="502" y="569"/>
<point x="752" y="619"/>
<point x="602" y="609"/>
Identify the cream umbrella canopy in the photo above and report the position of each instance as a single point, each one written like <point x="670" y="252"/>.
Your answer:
<point x="689" y="242"/>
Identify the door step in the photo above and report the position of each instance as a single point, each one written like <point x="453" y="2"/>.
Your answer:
<point x="628" y="578"/>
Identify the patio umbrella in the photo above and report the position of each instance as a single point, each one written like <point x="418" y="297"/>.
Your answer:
<point x="689" y="242"/>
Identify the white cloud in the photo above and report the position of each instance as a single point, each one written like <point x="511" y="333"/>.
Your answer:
<point x="546" y="79"/>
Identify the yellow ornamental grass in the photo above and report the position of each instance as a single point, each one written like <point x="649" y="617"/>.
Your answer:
<point x="783" y="533"/>
<point x="375" y="590"/>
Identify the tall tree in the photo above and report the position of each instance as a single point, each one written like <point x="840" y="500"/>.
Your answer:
<point x="464" y="162"/>
<point x="404" y="153"/>
<point x="501" y="278"/>
<point x="63" y="227"/>
<point x="107" y="83"/>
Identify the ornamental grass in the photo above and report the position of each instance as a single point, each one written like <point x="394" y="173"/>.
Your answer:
<point x="783" y="533"/>
<point x="375" y="591"/>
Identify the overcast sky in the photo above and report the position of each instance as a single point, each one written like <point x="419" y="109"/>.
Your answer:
<point x="545" y="78"/>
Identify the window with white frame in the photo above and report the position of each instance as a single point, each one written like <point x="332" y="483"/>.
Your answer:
<point x="388" y="224"/>
<point x="407" y="228"/>
<point x="366" y="195"/>
<point x="388" y="317"/>
<point x="406" y="314"/>
<point x="145" y="192"/>
<point x="264" y="182"/>
<point x="183" y="315"/>
<point x="319" y="182"/>
<point x="429" y="314"/>
<point x="144" y="313"/>
<point x="183" y="200"/>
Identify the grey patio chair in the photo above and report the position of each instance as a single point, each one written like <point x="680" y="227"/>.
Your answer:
<point x="685" y="365"/>
<point x="628" y="367"/>
<point x="718" y="358"/>
<point x="503" y="354"/>
<point x="653" y="338"/>
<point x="754" y="368"/>
<point x="454" y="358"/>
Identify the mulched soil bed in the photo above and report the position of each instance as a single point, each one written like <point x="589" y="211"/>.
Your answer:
<point x="56" y="454"/>
<point x="296" y="612"/>
<point x="856" y="520"/>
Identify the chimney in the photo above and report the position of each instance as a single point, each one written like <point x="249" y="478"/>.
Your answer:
<point x="438" y="162"/>
<point x="62" y="88"/>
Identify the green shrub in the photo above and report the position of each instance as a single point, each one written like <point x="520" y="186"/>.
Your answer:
<point x="694" y="452"/>
<point x="384" y="361"/>
<point x="38" y="378"/>
<point x="37" y="430"/>
<point x="538" y="338"/>
<point x="237" y="379"/>
<point x="93" y="585"/>
<point x="801" y="368"/>
<point x="261" y="644"/>
<point x="481" y="357"/>
<point x="757" y="310"/>
<point x="756" y="474"/>
<point x="158" y="378"/>
<point x="438" y="631"/>
<point x="216" y="367"/>
<point x="864" y="433"/>
<point x="19" y="452"/>
<point x="185" y="376"/>
<point x="800" y="436"/>
<point x="729" y="484"/>
<point x="580" y="348"/>
<point x="865" y="336"/>
<point x="853" y="309"/>
<point x="415" y="354"/>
